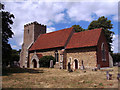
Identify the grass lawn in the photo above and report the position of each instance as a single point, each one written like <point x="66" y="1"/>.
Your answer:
<point x="57" y="78"/>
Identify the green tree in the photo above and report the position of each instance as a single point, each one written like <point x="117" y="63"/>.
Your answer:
<point x="106" y="25"/>
<point x="14" y="55"/>
<point x="7" y="33"/>
<point x="116" y="57"/>
<point x="78" y="28"/>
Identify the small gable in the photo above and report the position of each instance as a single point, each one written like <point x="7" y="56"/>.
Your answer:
<point x="39" y="55"/>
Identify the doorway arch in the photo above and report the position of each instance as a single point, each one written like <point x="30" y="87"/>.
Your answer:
<point x="76" y="64"/>
<point x="34" y="63"/>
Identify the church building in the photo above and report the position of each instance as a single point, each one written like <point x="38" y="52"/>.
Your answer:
<point x="68" y="47"/>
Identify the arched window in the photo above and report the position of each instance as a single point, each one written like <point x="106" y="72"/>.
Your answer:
<point x="103" y="52"/>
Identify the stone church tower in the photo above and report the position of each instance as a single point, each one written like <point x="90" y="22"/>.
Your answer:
<point x="31" y="32"/>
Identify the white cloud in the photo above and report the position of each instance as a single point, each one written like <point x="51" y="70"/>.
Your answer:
<point x="59" y="17"/>
<point x="110" y="8"/>
<point x="79" y="11"/>
<point x="26" y="12"/>
<point x="84" y="10"/>
<point x="49" y="13"/>
<point x="50" y="29"/>
<point x="115" y="18"/>
<point x="115" y="44"/>
<point x="15" y="47"/>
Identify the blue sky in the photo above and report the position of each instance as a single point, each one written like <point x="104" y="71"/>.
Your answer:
<point x="60" y="15"/>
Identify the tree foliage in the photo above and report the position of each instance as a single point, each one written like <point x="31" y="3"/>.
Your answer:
<point x="106" y="25"/>
<point x="78" y="28"/>
<point x="15" y="55"/>
<point x="45" y="61"/>
<point x="6" y="34"/>
<point x="116" y="57"/>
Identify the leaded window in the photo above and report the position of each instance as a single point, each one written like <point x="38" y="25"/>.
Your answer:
<point x="103" y="52"/>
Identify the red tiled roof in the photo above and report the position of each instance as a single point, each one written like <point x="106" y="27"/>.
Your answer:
<point x="52" y="40"/>
<point x="84" y="39"/>
<point x="39" y="55"/>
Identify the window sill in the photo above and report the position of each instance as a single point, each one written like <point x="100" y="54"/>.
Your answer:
<point x="104" y="60"/>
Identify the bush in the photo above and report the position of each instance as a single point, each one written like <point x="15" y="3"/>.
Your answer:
<point x="45" y="61"/>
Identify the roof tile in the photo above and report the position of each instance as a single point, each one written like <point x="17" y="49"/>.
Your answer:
<point x="84" y="39"/>
<point x="52" y="40"/>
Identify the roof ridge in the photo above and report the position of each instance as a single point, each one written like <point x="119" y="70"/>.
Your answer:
<point x="89" y="30"/>
<point x="58" y="30"/>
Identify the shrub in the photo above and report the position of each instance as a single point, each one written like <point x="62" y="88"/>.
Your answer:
<point x="45" y="61"/>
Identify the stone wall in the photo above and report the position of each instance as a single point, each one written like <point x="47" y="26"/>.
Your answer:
<point x="47" y="53"/>
<point x="88" y="55"/>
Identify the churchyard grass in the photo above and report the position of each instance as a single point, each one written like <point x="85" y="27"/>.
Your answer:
<point x="58" y="78"/>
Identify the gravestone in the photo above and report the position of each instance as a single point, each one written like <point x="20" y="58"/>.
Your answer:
<point x="94" y="69"/>
<point x="51" y="63"/>
<point x="61" y="65"/>
<point x="69" y="67"/>
<point x="82" y="67"/>
<point x="118" y="76"/>
<point x="118" y="64"/>
<point x="98" y="66"/>
<point x="109" y="76"/>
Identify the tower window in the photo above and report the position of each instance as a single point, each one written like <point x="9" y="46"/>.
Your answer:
<point x="28" y="31"/>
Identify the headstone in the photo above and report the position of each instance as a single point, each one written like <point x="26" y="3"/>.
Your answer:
<point x="82" y="67"/>
<point x="118" y="76"/>
<point x="84" y="71"/>
<point x="9" y="65"/>
<point x="69" y="67"/>
<point x="109" y="76"/>
<point x="51" y="63"/>
<point x="118" y="64"/>
<point x="98" y="66"/>
<point x="94" y="69"/>
<point x="61" y="65"/>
